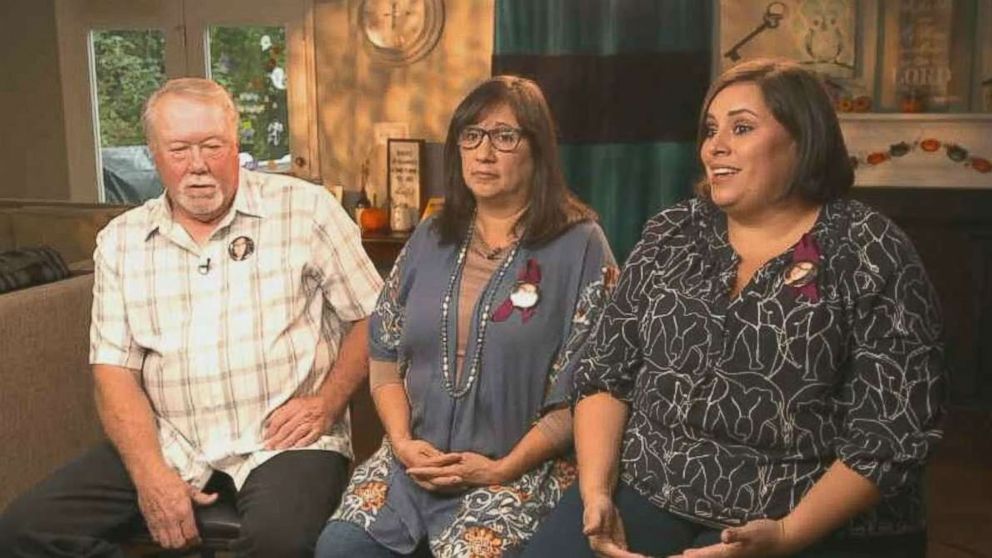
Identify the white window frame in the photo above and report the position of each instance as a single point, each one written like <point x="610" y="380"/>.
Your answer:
<point x="184" y="24"/>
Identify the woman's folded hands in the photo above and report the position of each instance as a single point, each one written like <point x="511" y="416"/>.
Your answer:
<point x="447" y="472"/>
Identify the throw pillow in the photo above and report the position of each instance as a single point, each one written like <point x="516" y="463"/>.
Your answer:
<point x="25" y="267"/>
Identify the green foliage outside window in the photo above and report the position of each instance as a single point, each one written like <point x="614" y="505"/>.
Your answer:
<point x="249" y="61"/>
<point x="129" y="66"/>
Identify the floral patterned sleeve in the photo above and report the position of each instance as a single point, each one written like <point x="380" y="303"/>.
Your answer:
<point x="894" y="394"/>
<point x="599" y="275"/>
<point x="387" y="319"/>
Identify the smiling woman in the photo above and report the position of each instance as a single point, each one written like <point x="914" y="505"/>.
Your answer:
<point x="759" y="339"/>
<point x="748" y="156"/>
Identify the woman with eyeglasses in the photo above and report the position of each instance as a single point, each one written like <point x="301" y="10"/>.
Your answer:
<point x="472" y="342"/>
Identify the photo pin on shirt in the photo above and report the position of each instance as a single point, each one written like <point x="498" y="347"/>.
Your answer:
<point x="241" y="248"/>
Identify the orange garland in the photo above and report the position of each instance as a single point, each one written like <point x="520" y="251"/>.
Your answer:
<point x="955" y="152"/>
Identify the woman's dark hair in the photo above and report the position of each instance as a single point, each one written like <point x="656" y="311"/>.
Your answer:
<point x="552" y="207"/>
<point x="800" y="103"/>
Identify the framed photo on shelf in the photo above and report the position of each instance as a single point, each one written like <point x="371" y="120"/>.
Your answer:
<point x="404" y="171"/>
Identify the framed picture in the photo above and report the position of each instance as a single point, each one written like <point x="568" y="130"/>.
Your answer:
<point x="935" y="53"/>
<point x="404" y="170"/>
<point x="835" y="38"/>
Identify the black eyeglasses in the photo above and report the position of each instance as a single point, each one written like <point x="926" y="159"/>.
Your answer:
<point x="503" y="138"/>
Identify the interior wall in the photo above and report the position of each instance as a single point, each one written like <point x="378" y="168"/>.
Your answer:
<point x="32" y="132"/>
<point x="354" y="91"/>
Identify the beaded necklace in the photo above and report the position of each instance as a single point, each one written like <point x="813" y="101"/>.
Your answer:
<point x="476" y="359"/>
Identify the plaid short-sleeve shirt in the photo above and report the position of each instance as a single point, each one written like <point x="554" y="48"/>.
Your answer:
<point x="222" y="334"/>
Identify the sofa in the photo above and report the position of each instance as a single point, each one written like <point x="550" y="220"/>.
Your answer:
<point x="46" y="411"/>
<point x="69" y="228"/>
<point x="47" y="415"/>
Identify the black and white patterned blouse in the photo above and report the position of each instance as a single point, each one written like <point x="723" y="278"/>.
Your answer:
<point x="739" y="404"/>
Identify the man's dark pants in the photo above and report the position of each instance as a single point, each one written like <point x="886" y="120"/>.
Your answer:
<point x="89" y="505"/>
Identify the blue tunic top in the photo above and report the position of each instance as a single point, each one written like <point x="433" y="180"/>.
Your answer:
<point x="523" y="370"/>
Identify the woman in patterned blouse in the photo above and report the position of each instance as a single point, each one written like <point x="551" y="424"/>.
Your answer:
<point x="769" y="370"/>
<point x="471" y="345"/>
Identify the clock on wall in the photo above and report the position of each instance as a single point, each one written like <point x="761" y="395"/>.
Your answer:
<point x="400" y="31"/>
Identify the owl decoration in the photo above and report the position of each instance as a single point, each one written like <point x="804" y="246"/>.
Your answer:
<point x="822" y="32"/>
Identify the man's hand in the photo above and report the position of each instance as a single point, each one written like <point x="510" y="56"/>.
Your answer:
<point x="166" y="503"/>
<point x="602" y="525"/>
<point x="299" y="422"/>
<point x="761" y="537"/>
<point x="466" y="469"/>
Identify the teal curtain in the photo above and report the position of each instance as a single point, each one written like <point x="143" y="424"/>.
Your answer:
<point x="625" y="79"/>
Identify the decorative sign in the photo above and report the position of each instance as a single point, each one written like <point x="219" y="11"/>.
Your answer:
<point x="834" y="38"/>
<point x="821" y="34"/>
<point x="934" y="49"/>
<point x="923" y="68"/>
<point x="378" y="180"/>
<point x="405" y="158"/>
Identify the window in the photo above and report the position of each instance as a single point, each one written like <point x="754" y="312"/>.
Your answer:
<point x="250" y="61"/>
<point x="128" y="65"/>
<point x="114" y="54"/>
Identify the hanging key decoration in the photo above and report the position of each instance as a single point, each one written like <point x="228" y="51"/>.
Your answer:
<point x="774" y="13"/>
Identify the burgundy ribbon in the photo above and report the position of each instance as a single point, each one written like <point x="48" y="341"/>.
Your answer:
<point x="531" y="273"/>
<point x="807" y="251"/>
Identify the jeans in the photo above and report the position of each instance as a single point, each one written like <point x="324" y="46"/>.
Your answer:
<point x="343" y="539"/>
<point x="656" y="532"/>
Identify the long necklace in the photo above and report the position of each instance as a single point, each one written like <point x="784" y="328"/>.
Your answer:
<point x="480" y="337"/>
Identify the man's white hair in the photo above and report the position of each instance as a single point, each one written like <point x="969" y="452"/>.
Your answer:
<point x="197" y="88"/>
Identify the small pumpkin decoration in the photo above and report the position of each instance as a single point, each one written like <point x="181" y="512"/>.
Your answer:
<point x="981" y="165"/>
<point x="374" y="220"/>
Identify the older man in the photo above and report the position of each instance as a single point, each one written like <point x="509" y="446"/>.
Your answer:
<point x="228" y="336"/>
